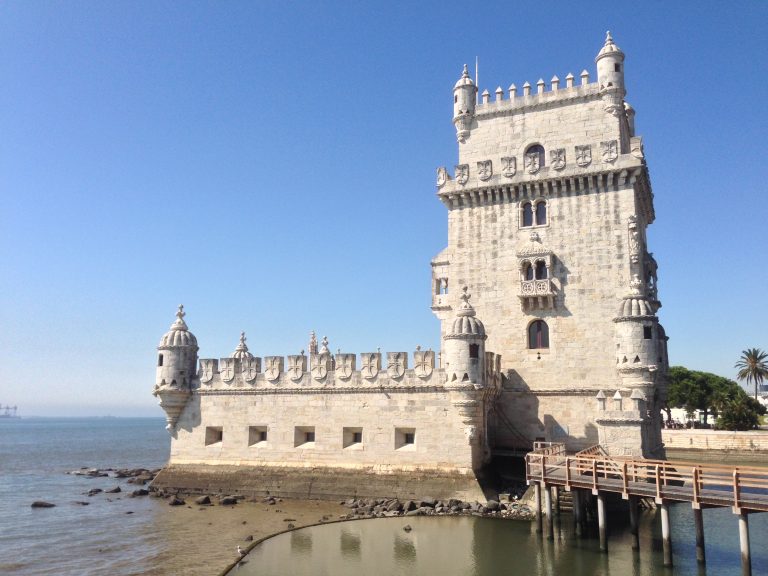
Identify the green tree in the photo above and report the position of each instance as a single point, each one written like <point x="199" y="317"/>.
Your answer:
<point x="753" y="367"/>
<point x="712" y="394"/>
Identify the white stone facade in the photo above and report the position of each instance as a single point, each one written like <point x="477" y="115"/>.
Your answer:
<point x="547" y="211"/>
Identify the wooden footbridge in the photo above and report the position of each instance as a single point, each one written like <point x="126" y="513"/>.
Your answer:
<point x="743" y="489"/>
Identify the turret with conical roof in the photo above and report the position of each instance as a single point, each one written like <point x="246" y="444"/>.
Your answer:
<point x="465" y="345"/>
<point x="464" y="101"/>
<point x="610" y="66"/>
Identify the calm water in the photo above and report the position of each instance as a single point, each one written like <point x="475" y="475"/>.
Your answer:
<point x="73" y="539"/>
<point x="469" y="546"/>
<point x="102" y="538"/>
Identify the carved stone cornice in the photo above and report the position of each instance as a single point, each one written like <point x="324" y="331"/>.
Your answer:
<point x="293" y="391"/>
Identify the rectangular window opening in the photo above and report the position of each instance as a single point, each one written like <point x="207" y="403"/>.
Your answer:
<point x="257" y="435"/>
<point x="405" y="438"/>
<point x="352" y="437"/>
<point x="304" y="436"/>
<point x="213" y="435"/>
<point x="647" y="332"/>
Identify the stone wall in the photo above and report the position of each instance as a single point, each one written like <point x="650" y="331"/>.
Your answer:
<point x="716" y="441"/>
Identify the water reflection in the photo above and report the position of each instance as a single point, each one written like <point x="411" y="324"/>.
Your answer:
<point x="469" y="546"/>
<point x="301" y="542"/>
<point x="350" y="542"/>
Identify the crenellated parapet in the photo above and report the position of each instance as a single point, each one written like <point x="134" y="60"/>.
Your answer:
<point x="325" y="372"/>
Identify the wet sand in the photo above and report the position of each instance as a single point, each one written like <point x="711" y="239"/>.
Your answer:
<point x="203" y="540"/>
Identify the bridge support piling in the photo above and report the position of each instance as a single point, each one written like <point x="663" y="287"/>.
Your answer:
<point x="602" y="523"/>
<point x="666" y="534"/>
<point x="746" y="557"/>
<point x="537" y="496"/>
<point x="556" y="499"/>
<point x="577" y="512"/>
<point x="549" y="524"/>
<point x="698" y="518"/>
<point x="633" y="522"/>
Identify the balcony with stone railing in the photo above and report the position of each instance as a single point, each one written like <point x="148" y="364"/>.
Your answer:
<point x="537" y="294"/>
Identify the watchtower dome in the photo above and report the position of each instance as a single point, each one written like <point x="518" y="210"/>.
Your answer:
<point x="464" y="101"/>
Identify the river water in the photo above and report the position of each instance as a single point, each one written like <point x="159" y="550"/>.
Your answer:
<point x="473" y="546"/>
<point x="123" y="536"/>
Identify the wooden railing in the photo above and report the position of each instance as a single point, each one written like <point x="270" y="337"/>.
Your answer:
<point x="709" y="484"/>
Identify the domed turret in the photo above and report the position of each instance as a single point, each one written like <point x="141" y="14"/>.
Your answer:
<point x="176" y="368"/>
<point x="464" y="100"/>
<point x="241" y="351"/>
<point x="465" y="345"/>
<point x="637" y="331"/>
<point x="610" y="66"/>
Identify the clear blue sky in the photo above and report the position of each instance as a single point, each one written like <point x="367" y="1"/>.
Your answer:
<point x="271" y="165"/>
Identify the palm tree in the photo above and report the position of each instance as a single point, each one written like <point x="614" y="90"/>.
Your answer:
<point x="753" y="366"/>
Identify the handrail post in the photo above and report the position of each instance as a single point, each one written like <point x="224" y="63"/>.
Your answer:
<point x="696" y="487"/>
<point x="594" y="475"/>
<point x="658" y="483"/>
<point x="736" y="488"/>
<point x="624" y="477"/>
<point x="568" y="472"/>
<point x="543" y="465"/>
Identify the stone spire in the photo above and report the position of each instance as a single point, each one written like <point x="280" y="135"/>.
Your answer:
<point x="324" y="348"/>
<point x="242" y="349"/>
<point x="312" y="343"/>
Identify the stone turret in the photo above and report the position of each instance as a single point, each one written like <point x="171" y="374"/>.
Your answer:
<point x="241" y="352"/>
<point x="176" y="369"/>
<point x="610" y="67"/>
<point x="464" y="101"/>
<point x="464" y="348"/>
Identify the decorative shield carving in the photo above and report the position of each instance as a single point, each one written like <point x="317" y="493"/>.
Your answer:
<point x="345" y="366"/>
<point x="462" y="173"/>
<point x="532" y="162"/>
<point x="297" y="365"/>
<point x="206" y="370"/>
<point x="584" y="155"/>
<point x="423" y="363"/>
<point x="557" y="158"/>
<point x="509" y="166"/>
<point x="227" y="369"/>
<point x="321" y="363"/>
<point x="397" y="362"/>
<point x="371" y="362"/>
<point x="442" y="176"/>
<point x="484" y="170"/>
<point x="610" y="150"/>
<point x="274" y="366"/>
<point x="251" y="368"/>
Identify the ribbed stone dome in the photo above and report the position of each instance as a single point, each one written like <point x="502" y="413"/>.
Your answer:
<point x="179" y="334"/>
<point x="466" y="323"/>
<point x="242" y="349"/>
<point x="635" y="306"/>
<point x="609" y="48"/>
<point x="465" y="80"/>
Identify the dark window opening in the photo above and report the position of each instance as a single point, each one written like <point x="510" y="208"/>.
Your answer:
<point x="263" y="436"/>
<point x="647" y="334"/>
<point x="617" y="67"/>
<point x="409" y="438"/>
<point x="455" y="99"/>
<point x="541" y="213"/>
<point x="528" y="271"/>
<point x="538" y="335"/>
<point x="541" y="270"/>
<point x="474" y="351"/>
<point x="160" y="360"/>
<point x="527" y="214"/>
<point x="537" y="149"/>
<point x="309" y="436"/>
<point x="357" y="437"/>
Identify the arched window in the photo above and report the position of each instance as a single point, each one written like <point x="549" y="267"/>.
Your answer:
<point x="538" y="335"/>
<point x="160" y="360"/>
<point x="541" y="213"/>
<point x="527" y="214"/>
<point x="541" y="270"/>
<point x="527" y="271"/>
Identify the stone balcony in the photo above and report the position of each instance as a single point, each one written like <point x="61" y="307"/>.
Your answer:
<point x="537" y="294"/>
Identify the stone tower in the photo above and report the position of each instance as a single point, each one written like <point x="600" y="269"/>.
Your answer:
<point x="176" y="369"/>
<point x="547" y="211"/>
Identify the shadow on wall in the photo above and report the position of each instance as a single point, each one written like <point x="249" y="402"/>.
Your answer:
<point x="518" y="419"/>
